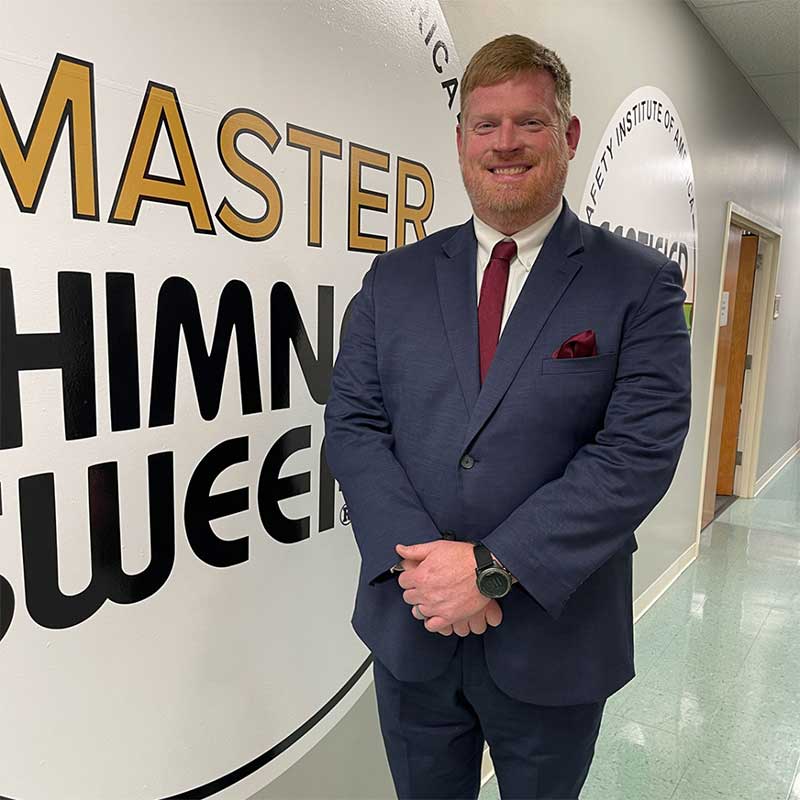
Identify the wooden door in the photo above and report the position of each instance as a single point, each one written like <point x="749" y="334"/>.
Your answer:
<point x="739" y="320"/>
<point x="721" y="377"/>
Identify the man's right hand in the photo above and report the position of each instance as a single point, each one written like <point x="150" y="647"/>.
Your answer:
<point x="490" y="614"/>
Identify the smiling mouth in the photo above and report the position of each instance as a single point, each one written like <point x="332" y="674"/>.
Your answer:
<point x="509" y="170"/>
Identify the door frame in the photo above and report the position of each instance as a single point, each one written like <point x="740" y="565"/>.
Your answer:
<point x="761" y="320"/>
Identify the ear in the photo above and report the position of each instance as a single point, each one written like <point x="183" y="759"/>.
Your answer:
<point x="573" y="135"/>
<point x="459" y="136"/>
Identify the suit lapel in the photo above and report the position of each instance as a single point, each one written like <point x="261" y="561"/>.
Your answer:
<point x="552" y="273"/>
<point x="458" y="297"/>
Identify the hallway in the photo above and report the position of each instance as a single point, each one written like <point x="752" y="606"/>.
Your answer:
<point x="714" y="712"/>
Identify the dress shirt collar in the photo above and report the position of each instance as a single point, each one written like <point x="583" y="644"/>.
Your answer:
<point x="529" y="240"/>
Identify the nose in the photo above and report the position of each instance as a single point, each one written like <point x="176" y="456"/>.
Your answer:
<point x="507" y="136"/>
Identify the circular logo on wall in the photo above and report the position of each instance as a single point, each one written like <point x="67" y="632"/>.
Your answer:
<point x="194" y="199"/>
<point x="641" y="184"/>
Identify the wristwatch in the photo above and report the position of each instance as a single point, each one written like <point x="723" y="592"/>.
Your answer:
<point x="493" y="580"/>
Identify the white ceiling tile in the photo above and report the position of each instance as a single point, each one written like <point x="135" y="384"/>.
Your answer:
<point x="763" y="38"/>
<point x="781" y="93"/>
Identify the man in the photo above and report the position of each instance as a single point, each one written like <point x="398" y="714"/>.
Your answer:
<point x="522" y="382"/>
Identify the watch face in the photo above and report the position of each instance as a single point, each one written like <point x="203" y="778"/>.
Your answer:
<point x="494" y="583"/>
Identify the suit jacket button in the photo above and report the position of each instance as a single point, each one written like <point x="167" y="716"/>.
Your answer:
<point x="467" y="461"/>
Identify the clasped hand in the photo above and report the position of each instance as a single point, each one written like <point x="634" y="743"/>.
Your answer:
<point x="438" y="579"/>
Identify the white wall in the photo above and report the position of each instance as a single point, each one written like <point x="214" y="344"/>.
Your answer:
<point x="176" y="568"/>
<point x="781" y="426"/>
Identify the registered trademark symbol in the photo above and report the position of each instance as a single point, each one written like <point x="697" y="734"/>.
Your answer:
<point x="344" y="516"/>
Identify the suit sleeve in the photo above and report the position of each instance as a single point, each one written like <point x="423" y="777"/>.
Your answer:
<point x="384" y="507"/>
<point x="571" y="526"/>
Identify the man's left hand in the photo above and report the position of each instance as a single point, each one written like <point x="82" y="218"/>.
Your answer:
<point x="442" y="583"/>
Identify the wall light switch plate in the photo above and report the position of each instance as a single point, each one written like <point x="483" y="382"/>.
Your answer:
<point x="723" y="309"/>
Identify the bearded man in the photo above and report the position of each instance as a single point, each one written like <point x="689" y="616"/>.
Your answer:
<point x="509" y="403"/>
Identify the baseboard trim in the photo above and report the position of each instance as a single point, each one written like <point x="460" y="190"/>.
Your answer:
<point x="487" y="768"/>
<point x="640" y="605"/>
<point x="660" y="585"/>
<point x="765" y="479"/>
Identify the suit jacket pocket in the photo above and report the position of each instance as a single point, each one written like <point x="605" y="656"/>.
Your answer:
<point x="570" y="366"/>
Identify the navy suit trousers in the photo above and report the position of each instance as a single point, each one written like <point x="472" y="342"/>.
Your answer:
<point x="434" y="732"/>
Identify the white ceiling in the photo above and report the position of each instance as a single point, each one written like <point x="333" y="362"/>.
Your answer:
<point x="762" y="38"/>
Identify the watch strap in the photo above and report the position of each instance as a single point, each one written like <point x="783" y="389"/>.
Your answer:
<point x="483" y="557"/>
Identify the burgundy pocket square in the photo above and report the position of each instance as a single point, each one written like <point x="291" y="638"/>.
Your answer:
<point x="581" y="345"/>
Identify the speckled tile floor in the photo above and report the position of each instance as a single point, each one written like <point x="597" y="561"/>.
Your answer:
<point x="714" y="712"/>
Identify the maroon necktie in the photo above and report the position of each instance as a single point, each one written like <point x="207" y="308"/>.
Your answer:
<point x="490" y="305"/>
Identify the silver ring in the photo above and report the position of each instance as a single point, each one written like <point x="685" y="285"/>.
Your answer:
<point x="421" y="615"/>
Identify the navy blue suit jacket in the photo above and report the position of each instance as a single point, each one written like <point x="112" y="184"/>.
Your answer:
<point x="570" y="455"/>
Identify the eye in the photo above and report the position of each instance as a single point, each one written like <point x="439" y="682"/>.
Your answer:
<point x="484" y="127"/>
<point x="532" y="123"/>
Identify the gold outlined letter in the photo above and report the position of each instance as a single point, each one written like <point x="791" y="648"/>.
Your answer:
<point x="233" y="125"/>
<point x="360" y="198"/>
<point x="160" y="108"/>
<point x="405" y="213"/>
<point x="318" y="145"/>
<point x="68" y="96"/>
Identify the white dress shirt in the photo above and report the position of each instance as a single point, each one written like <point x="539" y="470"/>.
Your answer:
<point x="529" y="242"/>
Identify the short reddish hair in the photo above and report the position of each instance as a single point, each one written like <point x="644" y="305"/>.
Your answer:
<point x="508" y="56"/>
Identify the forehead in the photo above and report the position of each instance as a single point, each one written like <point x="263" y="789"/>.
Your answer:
<point x="526" y="91"/>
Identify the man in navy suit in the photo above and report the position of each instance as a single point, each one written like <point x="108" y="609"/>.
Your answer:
<point x="509" y="403"/>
